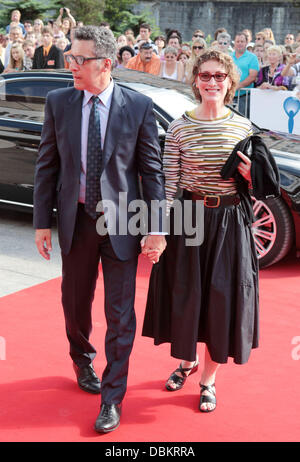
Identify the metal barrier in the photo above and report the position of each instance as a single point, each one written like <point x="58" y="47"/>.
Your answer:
<point x="241" y="101"/>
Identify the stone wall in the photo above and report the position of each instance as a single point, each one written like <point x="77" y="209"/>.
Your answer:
<point x="189" y="15"/>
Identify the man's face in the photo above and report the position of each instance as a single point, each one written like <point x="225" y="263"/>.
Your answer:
<point x="89" y="75"/>
<point x="146" y="55"/>
<point x="47" y="39"/>
<point x="15" y="34"/>
<point x="29" y="51"/>
<point x="145" y="34"/>
<point x="174" y="42"/>
<point x="240" y="43"/>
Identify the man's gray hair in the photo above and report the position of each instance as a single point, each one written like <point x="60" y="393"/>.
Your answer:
<point x="104" y="41"/>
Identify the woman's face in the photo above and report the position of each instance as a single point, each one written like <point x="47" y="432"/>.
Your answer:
<point x="198" y="49"/>
<point x="273" y="57"/>
<point x="212" y="91"/>
<point x="183" y="58"/>
<point x="15" y="54"/>
<point x="159" y="43"/>
<point x="122" y="41"/>
<point x="126" y="57"/>
<point x="259" y="52"/>
<point x="66" y="24"/>
<point x="223" y="45"/>
<point x="170" y="57"/>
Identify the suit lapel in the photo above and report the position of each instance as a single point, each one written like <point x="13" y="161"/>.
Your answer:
<point x="114" y="124"/>
<point x="73" y="114"/>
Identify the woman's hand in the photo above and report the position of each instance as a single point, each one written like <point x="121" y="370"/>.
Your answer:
<point x="265" y="86"/>
<point x="244" y="167"/>
<point x="153" y="246"/>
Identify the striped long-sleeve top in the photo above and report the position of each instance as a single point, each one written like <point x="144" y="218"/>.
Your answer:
<point x="195" y="151"/>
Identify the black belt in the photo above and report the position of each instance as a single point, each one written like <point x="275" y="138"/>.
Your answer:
<point x="213" y="201"/>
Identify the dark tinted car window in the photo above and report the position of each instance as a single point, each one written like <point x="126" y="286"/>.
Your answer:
<point x="25" y="99"/>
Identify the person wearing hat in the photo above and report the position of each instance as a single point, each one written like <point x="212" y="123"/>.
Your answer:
<point x="146" y="60"/>
<point x="124" y="55"/>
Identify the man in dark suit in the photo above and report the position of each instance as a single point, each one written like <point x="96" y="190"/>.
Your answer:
<point x="48" y="56"/>
<point x="127" y="151"/>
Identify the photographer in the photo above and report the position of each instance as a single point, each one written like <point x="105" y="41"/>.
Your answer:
<point x="67" y="23"/>
<point x="292" y="69"/>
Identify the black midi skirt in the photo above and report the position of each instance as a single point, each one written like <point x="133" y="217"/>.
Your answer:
<point x="207" y="293"/>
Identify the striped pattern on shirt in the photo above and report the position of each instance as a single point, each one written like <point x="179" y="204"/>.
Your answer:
<point x="195" y="151"/>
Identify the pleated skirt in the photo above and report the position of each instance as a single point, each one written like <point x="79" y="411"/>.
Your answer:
<point x="207" y="293"/>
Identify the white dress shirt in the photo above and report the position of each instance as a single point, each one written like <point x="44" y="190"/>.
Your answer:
<point x="104" y="107"/>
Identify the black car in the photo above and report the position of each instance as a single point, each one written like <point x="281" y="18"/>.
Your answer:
<point x="22" y="97"/>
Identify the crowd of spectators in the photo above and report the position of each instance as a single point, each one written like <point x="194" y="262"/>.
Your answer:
<point x="261" y="61"/>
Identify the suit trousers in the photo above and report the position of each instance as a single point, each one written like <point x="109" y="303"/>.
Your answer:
<point x="79" y="277"/>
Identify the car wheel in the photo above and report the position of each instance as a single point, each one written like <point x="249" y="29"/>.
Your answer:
<point x="273" y="230"/>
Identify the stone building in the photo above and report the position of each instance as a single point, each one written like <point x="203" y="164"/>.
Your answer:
<point x="188" y="15"/>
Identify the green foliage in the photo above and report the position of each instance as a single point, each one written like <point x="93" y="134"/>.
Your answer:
<point x="118" y="13"/>
<point x="88" y="11"/>
<point x="30" y="9"/>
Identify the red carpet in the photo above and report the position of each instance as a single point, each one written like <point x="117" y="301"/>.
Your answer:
<point x="40" y="401"/>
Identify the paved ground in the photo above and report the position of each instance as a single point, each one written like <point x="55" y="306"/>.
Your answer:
<point x="21" y="265"/>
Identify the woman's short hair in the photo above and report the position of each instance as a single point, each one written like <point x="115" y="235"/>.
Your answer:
<point x="219" y="31"/>
<point x="227" y="62"/>
<point x="276" y="48"/>
<point x="182" y="53"/>
<point x="170" y="50"/>
<point x="224" y="36"/>
<point x="126" y="48"/>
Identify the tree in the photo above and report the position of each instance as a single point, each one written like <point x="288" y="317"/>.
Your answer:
<point x="87" y="11"/>
<point x="118" y="13"/>
<point x="30" y="9"/>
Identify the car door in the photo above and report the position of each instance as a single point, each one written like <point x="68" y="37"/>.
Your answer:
<point x="22" y="103"/>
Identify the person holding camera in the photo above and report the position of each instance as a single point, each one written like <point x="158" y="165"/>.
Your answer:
<point x="292" y="68"/>
<point x="66" y="23"/>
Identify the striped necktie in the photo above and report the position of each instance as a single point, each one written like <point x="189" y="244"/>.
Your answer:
<point x="94" y="159"/>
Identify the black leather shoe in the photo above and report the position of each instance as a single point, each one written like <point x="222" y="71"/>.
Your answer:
<point x="87" y="379"/>
<point x="109" y="418"/>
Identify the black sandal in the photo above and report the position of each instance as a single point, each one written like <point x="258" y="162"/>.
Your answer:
<point x="180" y="381"/>
<point x="206" y="398"/>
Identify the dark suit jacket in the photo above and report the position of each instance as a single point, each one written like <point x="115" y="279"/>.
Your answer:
<point x="131" y="150"/>
<point x="54" y="59"/>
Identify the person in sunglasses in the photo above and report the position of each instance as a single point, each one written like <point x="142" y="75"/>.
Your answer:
<point x="198" y="48"/>
<point x="223" y="41"/>
<point x="206" y="292"/>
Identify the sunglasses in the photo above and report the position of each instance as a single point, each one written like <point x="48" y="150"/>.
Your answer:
<point x="198" y="48"/>
<point x="200" y="36"/>
<point x="218" y="76"/>
<point x="80" y="60"/>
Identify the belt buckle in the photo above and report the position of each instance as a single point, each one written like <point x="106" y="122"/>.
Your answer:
<point x="212" y="206"/>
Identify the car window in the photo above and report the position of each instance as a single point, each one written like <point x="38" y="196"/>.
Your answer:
<point x="25" y="99"/>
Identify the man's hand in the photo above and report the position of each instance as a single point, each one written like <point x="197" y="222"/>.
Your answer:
<point x="43" y="242"/>
<point x="153" y="246"/>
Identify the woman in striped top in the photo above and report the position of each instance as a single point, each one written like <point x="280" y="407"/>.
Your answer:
<point x="206" y="293"/>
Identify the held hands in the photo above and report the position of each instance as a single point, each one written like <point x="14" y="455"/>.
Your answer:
<point x="153" y="246"/>
<point x="43" y="242"/>
<point x="244" y="167"/>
